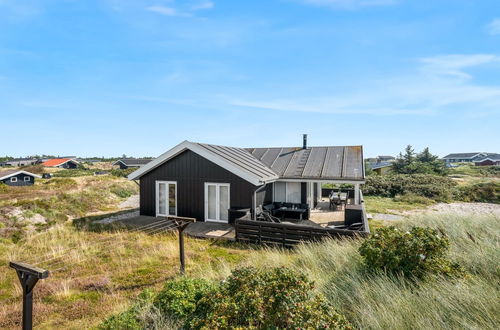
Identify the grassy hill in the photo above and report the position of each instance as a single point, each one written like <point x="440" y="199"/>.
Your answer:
<point x="103" y="279"/>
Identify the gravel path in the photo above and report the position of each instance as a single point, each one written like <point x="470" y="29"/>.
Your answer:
<point x="459" y="208"/>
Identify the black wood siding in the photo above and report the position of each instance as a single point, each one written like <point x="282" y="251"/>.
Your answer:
<point x="20" y="180"/>
<point x="191" y="171"/>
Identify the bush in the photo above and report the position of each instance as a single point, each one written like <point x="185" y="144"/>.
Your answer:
<point x="265" y="299"/>
<point x="122" y="173"/>
<point x="483" y="192"/>
<point x="414" y="253"/>
<point x="130" y="319"/>
<point x="412" y="198"/>
<point x="73" y="173"/>
<point x="179" y="297"/>
<point x="435" y="187"/>
<point x="123" y="192"/>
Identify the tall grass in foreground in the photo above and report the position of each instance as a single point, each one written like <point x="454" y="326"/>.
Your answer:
<point x="105" y="279"/>
<point x="380" y="301"/>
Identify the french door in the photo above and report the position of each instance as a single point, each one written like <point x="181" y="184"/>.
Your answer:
<point x="217" y="202"/>
<point x="166" y="198"/>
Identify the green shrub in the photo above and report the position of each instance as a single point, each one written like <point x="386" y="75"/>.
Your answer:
<point x="179" y="297"/>
<point x="414" y="253"/>
<point x="435" y="187"/>
<point x="484" y="192"/>
<point x="265" y="299"/>
<point x="74" y="173"/>
<point x="122" y="192"/>
<point x="122" y="173"/>
<point x="412" y="198"/>
<point x="130" y="319"/>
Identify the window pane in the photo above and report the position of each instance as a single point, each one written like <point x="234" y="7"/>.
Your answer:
<point x="171" y="199"/>
<point x="211" y="202"/>
<point x="293" y="192"/>
<point x="224" y="202"/>
<point x="162" y="199"/>
<point x="280" y="192"/>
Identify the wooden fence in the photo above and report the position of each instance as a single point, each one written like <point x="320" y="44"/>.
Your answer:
<point x="286" y="235"/>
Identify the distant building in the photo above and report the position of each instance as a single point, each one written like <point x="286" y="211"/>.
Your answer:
<point x="467" y="157"/>
<point x="489" y="160"/>
<point x="125" y="163"/>
<point x="61" y="163"/>
<point x="380" y="168"/>
<point x="20" y="162"/>
<point x="385" y="158"/>
<point x="18" y="178"/>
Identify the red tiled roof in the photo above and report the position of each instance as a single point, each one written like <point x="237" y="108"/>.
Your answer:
<point x="55" y="161"/>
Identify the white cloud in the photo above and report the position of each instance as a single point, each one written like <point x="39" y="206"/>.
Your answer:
<point x="163" y="10"/>
<point x="494" y="27"/>
<point x="203" y="5"/>
<point x="348" y="4"/>
<point x="454" y="65"/>
<point x="436" y="86"/>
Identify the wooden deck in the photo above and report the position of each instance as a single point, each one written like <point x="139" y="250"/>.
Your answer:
<point x="324" y="216"/>
<point x="196" y="229"/>
<point x="211" y="230"/>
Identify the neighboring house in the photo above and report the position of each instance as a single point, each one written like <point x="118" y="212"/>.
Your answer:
<point x="20" y="162"/>
<point x="468" y="157"/>
<point x="125" y="163"/>
<point x="18" y="178"/>
<point x="489" y="160"/>
<point x="61" y="163"/>
<point x="385" y="159"/>
<point x="381" y="167"/>
<point x="203" y="181"/>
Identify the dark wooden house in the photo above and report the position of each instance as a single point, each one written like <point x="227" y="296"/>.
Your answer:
<point x="206" y="181"/>
<point x="18" y="178"/>
<point x="68" y="163"/>
<point x="125" y="163"/>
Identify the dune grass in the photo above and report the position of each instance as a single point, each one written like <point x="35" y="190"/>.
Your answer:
<point x="106" y="278"/>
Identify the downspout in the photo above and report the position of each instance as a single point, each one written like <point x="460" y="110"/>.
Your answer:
<point x="255" y="199"/>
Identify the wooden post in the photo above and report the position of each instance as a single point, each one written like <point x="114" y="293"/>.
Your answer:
<point x="28" y="276"/>
<point x="181" y="250"/>
<point x="181" y="224"/>
<point x="356" y="194"/>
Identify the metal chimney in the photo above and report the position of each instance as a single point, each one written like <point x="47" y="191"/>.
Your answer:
<point x="304" y="140"/>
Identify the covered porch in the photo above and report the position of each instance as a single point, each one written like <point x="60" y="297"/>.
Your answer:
<point x="309" y="202"/>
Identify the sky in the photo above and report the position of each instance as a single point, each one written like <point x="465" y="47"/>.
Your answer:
<point x="137" y="77"/>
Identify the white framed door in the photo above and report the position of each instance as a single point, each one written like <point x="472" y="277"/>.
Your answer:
<point x="166" y="198"/>
<point x="217" y="202"/>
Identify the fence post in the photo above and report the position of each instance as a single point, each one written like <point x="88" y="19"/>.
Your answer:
<point x="28" y="276"/>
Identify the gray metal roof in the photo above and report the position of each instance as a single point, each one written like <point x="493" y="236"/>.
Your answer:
<point x="134" y="161"/>
<point x="321" y="163"/>
<point x="240" y="158"/>
<point x="491" y="156"/>
<point x="375" y="166"/>
<point x="462" y="155"/>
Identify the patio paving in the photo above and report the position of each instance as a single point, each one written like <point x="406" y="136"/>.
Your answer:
<point x="324" y="216"/>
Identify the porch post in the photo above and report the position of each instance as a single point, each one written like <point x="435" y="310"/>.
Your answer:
<point x="356" y="194"/>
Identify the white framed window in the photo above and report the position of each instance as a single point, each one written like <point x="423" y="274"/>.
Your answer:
<point x="217" y="202"/>
<point x="166" y="198"/>
<point x="289" y="192"/>
<point x="27" y="179"/>
<point x="13" y="179"/>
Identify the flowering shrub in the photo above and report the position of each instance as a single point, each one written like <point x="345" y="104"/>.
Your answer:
<point x="412" y="253"/>
<point x="265" y="299"/>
